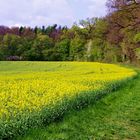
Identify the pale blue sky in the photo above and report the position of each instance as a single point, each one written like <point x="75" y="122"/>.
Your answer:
<point x="47" y="12"/>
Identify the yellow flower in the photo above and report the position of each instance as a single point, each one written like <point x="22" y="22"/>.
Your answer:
<point x="32" y="91"/>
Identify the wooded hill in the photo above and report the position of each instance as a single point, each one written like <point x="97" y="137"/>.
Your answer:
<point x="113" y="38"/>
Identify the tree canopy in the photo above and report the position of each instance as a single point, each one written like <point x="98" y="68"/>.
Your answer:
<point x="113" y="38"/>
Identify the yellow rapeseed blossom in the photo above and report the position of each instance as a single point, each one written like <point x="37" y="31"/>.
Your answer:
<point x="27" y="92"/>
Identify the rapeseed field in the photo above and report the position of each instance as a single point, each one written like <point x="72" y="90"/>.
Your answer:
<point x="33" y="93"/>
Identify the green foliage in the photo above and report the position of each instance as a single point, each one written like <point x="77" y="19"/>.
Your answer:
<point x="137" y="38"/>
<point x="10" y="43"/>
<point x="1" y="56"/>
<point x="62" y="49"/>
<point x="97" y="52"/>
<point x="101" y="28"/>
<point x="138" y="53"/>
<point x="112" y="53"/>
<point x="77" y="49"/>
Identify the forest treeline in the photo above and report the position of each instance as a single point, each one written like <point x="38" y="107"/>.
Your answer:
<point x="113" y="38"/>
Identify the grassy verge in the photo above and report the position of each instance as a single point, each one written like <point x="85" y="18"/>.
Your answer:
<point x="116" y="116"/>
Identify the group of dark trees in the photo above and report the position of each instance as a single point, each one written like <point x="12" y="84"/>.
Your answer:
<point x="114" y="38"/>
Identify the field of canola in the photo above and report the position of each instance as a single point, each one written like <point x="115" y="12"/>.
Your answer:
<point x="33" y="93"/>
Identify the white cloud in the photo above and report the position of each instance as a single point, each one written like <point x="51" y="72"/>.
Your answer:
<point x="97" y="8"/>
<point x="45" y="12"/>
<point x="35" y="12"/>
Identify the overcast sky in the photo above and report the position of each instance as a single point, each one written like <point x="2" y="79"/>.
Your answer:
<point x="48" y="12"/>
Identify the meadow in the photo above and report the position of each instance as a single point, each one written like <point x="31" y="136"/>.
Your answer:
<point x="34" y="93"/>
